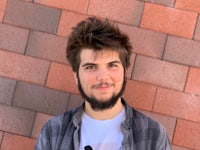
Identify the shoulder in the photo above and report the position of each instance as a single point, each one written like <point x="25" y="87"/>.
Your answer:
<point x="148" y="129"/>
<point x="141" y="124"/>
<point x="53" y="131"/>
<point x="61" y="121"/>
<point x="64" y="118"/>
<point x="139" y="120"/>
<point x="145" y="121"/>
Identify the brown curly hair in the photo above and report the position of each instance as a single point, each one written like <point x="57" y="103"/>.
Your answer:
<point x="97" y="34"/>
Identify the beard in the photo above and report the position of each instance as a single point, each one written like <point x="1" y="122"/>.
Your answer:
<point x="99" y="105"/>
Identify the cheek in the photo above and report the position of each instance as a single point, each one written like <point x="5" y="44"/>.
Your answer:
<point x="118" y="76"/>
<point x="118" y="80"/>
<point x="87" y="80"/>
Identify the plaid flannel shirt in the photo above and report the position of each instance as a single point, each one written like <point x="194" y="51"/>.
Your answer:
<point x="140" y="132"/>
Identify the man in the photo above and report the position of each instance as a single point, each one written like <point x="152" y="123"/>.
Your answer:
<point x="99" y="54"/>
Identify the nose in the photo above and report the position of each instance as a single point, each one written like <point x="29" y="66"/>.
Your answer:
<point x="102" y="75"/>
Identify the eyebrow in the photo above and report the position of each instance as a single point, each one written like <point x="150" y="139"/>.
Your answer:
<point x="88" y="64"/>
<point x="94" y="64"/>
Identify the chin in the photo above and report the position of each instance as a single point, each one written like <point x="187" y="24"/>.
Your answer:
<point x="104" y="98"/>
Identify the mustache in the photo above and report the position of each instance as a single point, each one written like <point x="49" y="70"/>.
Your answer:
<point x="102" y="84"/>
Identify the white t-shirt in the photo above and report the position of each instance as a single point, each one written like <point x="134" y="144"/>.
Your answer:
<point x="102" y="134"/>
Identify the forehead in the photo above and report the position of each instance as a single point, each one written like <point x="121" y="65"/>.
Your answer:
<point x="88" y="55"/>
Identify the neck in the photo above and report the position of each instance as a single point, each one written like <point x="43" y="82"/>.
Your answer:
<point x="104" y="114"/>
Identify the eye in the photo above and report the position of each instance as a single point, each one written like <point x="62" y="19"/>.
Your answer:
<point x="112" y="65"/>
<point x="90" y="67"/>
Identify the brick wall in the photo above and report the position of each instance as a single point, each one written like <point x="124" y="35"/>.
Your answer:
<point x="36" y="81"/>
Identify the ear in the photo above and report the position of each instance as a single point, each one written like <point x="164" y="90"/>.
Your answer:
<point x="75" y="77"/>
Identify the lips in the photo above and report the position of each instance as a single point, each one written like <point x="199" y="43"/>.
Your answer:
<point x="103" y="86"/>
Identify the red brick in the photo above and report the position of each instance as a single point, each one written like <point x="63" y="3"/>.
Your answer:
<point x="31" y="15"/>
<point x="39" y="98"/>
<point x="13" y="38"/>
<point x="139" y="95"/>
<point x="160" y="72"/>
<point x="47" y="46"/>
<point x="1" y="136"/>
<point x="2" y="9"/>
<point x="126" y="11"/>
<point x="168" y="122"/>
<point x="162" y="2"/>
<point x="67" y="21"/>
<point x="193" y="81"/>
<point x="144" y="41"/>
<point x="74" y="101"/>
<point x="197" y="30"/>
<point x="7" y="88"/>
<point x="74" y="5"/>
<point x="40" y="121"/>
<point x="191" y="5"/>
<point x="187" y="134"/>
<point x="16" y="142"/>
<point x="169" y="20"/>
<point x="28" y="0"/>
<point x="16" y="120"/>
<point x="21" y="67"/>
<point x="179" y="148"/>
<point x="130" y="69"/>
<point x="177" y="104"/>
<point x="182" y="51"/>
<point x="61" y="78"/>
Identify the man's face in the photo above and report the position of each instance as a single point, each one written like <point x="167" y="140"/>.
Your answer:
<point x="101" y="78"/>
